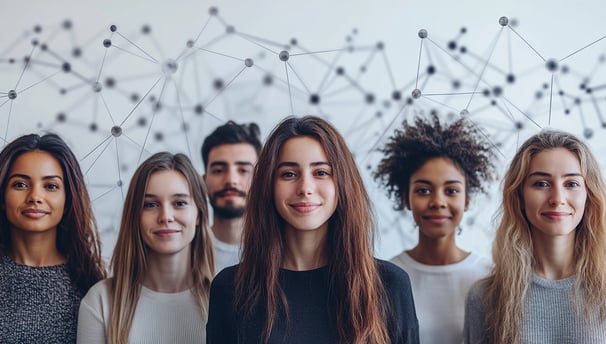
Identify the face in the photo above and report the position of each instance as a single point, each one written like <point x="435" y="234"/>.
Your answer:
<point x="437" y="198"/>
<point x="305" y="193"/>
<point x="35" y="193"/>
<point x="228" y="177"/>
<point x="169" y="216"/>
<point x="554" y="193"/>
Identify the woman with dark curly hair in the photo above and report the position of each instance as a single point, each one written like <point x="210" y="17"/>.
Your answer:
<point x="50" y="252"/>
<point x="432" y="169"/>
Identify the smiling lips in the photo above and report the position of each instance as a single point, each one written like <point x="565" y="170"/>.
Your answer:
<point x="33" y="213"/>
<point x="437" y="219"/>
<point x="166" y="232"/>
<point x="556" y="215"/>
<point x="305" y="207"/>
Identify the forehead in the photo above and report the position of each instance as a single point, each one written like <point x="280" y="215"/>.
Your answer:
<point x="439" y="169"/>
<point x="555" y="161"/>
<point x="233" y="152"/>
<point x="37" y="162"/>
<point x="167" y="182"/>
<point x="302" y="149"/>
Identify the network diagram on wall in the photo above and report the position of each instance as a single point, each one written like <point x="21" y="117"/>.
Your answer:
<point x="118" y="97"/>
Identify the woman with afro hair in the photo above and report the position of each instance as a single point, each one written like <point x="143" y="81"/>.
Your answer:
<point x="431" y="169"/>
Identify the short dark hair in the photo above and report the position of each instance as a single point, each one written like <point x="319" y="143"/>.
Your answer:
<point x="230" y="133"/>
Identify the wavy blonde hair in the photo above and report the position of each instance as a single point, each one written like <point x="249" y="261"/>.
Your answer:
<point x="129" y="261"/>
<point x="505" y="289"/>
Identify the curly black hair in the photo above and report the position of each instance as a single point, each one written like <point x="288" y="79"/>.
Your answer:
<point x="410" y="147"/>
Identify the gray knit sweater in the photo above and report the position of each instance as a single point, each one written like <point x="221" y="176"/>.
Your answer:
<point x="549" y="315"/>
<point x="37" y="304"/>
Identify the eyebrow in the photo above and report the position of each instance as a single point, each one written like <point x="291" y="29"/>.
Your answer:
<point x="424" y="181"/>
<point x="25" y="176"/>
<point x="294" y="164"/>
<point x="545" y="174"/>
<point x="224" y="163"/>
<point x="148" y="195"/>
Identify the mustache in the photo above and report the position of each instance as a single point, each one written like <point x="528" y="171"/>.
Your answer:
<point x="226" y="190"/>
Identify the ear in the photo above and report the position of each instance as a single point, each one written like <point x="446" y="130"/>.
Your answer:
<point x="467" y="201"/>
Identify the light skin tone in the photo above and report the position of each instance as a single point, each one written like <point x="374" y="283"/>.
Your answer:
<point x="168" y="226"/>
<point x="34" y="205"/>
<point x="305" y="196"/>
<point x="437" y="200"/>
<point x="554" y="194"/>
<point x="228" y="176"/>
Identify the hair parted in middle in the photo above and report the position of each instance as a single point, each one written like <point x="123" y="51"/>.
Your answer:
<point x="411" y="146"/>
<point x="129" y="261"/>
<point x="357" y="296"/>
<point x="505" y="288"/>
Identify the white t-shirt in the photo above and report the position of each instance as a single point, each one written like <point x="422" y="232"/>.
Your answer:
<point x="159" y="317"/>
<point x="225" y="254"/>
<point x="439" y="293"/>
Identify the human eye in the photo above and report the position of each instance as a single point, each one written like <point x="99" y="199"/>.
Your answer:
<point x="540" y="184"/>
<point x="217" y="170"/>
<point x="573" y="184"/>
<point x="52" y="186"/>
<point x="323" y="173"/>
<point x="19" y="185"/>
<point x="422" y="191"/>
<point x="452" y="191"/>
<point x="181" y="203"/>
<point x="150" y="204"/>
<point x="287" y="174"/>
<point x="245" y="170"/>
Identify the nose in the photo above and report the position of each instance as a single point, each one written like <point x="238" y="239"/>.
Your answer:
<point x="306" y="185"/>
<point x="166" y="215"/>
<point x="437" y="201"/>
<point x="35" y="195"/>
<point x="231" y="177"/>
<point x="557" y="196"/>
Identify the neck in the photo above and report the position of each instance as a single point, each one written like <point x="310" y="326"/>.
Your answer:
<point x="35" y="249"/>
<point x="228" y="230"/>
<point x="553" y="255"/>
<point x="305" y="250"/>
<point x="168" y="273"/>
<point x="441" y="251"/>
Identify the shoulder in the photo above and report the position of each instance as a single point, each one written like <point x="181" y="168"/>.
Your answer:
<point x="392" y="275"/>
<point x="475" y="294"/>
<point x="402" y="260"/>
<point x="225" y="278"/>
<point x="98" y="293"/>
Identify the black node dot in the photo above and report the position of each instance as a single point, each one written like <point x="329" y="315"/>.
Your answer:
<point x="503" y="21"/>
<point x="293" y="41"/>
<point x="340" y="70"/>
<point x="107" y="42"/>
<point x="497" y="91"/>
<point x="379" y="114"/>
<point x="35" y="42"/>
<point x="61" y="117"/>
<point x="185" y="127"/>
<point x="463" y="49"/>
<point x="37" y="28"/>
<point x="152" y="98"/>
<point x="26" y="59"/>
<point x="519" y="125"/>
<point x="380" y="45"/>
<point x="552" y="65"/>
<point x="134" y="97"/>
<point x="545" y="86"/>
<point x="189" y="43"/>
<point x="369" y="98"/>
<point x="386" y="103"/>
<point x="486" y="92"/>
<point x="93" y="127"/>
<point x="456" y="84"/>
<point x="66" y="67"/>
<point x="213" y="11"/>
<point x="44" y="47"/>
<point x="97" y="87"/>
<point x="464" y="112"/>
<point x="284" y="55"/>
<point x="142" y="121"/>
<point x="119" y="182"/>
<point x="218" y="84"/>
<point x="145" y="29"/>
<point x="433" y="112"/>
<point x="268" y="80"/>
<point x="351" y="49"/>
<point x="538" y="95"/>
<point x="409" y="101"/>
<point x="601" y="58"/>
<point x="416" y="93"/>
<point x="565" y="69"/>
<point x="314" y="99"/>
<point x="230" y="29"/>
<point x="157" y="106"/>
<point x="12" y="94"/>
<point x="452" y="45"/>
<point x="62" y="91"/>
<point x="588" y="90"/>
<point x="560" y="92"/>
<point x="513" y="22"/>
<point x="582" y="86"/>
<point x="422" y="33"/>
<point x="249" y="62"/>
<point x="11" y="60"/>
<point x="510" y="78"/>
<point x="67" y="24"/>
<point x="199" y="109"/>
<point x="431" y="69"/>
<point x="603" y="124"/>
<point x="158" y="136"/>
<point x="113" y="28"/>
<point x="110" y="82"/>
<point x="577" y="101"/>
<point x="567" y="111"/>
<point x="463" y="29"/>
<point x="493" y="102"/>
<point x="77" y="52"/>
<point x="116" y="131"/>
<point x="396" y="95"/>
<point x="588" y="133"/>
<point x="363" y="69"/>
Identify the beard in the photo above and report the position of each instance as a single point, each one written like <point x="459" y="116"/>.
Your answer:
<point x="228" y="212"/>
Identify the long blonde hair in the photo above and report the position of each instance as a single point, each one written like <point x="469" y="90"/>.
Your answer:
<point x="505" y="289"/>
<point x="129" y="261"/>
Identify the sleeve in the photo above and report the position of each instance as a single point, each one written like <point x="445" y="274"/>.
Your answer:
<point x="221" y="327"/>
<point x="91" y="320"/>
<point x="397" y="285"/>
<point x="474" y="329"/>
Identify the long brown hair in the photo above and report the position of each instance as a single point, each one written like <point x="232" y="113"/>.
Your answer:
<point x="129" y="261"/>
<point x="77" y="234"/>
<point x="506" y="287"/>
<point x="357" y="296"/>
